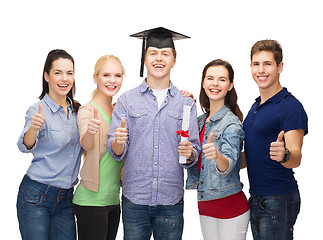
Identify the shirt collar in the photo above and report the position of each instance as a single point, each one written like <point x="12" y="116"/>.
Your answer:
<point x="52" y="105"/>
<point x="277" y="97"/>
<point x="220" y="114"/>
<point x="144" y="87"/>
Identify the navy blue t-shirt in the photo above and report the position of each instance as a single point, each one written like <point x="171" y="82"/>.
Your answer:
<point x="262" y="126"/>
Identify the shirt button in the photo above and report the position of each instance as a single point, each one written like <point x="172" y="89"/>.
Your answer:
<point x="71" y="156"/>
<point x="255" y="112"/>
<point x="156" y="130"/>
<point x="155" y="179"/>
<point x="156" y="147"/>
<point x="210" y="124"/>
<point x="202" y="196"/>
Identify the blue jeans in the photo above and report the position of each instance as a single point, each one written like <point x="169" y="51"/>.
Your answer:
<point x="273" y="217"/>
<point x="45" y="212"/>
<point x="140" y="221"/>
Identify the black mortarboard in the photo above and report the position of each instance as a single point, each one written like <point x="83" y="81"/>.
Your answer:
<point x="156" y="37"/>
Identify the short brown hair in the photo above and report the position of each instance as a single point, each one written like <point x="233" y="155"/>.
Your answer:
<point x="270" y="46"/>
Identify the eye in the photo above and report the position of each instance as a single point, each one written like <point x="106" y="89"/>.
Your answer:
<point x="118" y="75"/>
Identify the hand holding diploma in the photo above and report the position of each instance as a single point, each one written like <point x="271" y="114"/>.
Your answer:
<point x="185" y="148"/>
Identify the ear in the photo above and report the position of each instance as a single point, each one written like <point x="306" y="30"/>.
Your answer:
<point x="231" y="86"/>
<point x="174" y="62"/>
<point x="280" y="67"/>
<point x="94" y="78"/>
<point x="46" y="77"/>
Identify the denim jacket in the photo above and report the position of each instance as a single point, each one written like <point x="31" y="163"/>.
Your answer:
<point x="228" y="139"/>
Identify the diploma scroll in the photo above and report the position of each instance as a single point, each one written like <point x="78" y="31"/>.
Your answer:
<point x="185" y="127"/>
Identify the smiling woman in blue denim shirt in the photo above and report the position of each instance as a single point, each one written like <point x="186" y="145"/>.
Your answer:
<point x="223" y="207"/>
<point x="44" y="204"/>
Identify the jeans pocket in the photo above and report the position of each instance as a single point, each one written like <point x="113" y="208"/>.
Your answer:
<point x="31" y="198"/>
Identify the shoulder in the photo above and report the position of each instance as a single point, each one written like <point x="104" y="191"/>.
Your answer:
<point x="233" y="124"/>
<point x="186" y="100"/>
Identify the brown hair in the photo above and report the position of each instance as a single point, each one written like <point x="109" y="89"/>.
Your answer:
<point x="270" y="46"/>
<point x="230" y="99"/>
<point x="51" y="57"/>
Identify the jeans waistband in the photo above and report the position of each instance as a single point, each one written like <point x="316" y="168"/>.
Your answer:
<point x="48" y="190"/>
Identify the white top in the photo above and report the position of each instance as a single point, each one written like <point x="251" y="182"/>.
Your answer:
<point x="160" y="95"/>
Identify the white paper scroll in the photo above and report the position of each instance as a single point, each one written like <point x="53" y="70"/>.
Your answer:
<point x="185" y="127"/>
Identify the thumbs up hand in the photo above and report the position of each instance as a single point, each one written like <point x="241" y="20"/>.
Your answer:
<point x="209" y="150"/>
<point x="38" y="119"/>
<point x="94" y="123"/>
<point x="277" y="148"/>
<point x="121" y="133"/>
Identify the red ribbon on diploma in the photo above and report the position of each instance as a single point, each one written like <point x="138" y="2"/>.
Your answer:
<point x="183" y="133"/>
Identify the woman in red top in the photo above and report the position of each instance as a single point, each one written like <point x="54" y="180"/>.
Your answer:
<point x="223" y="207"/>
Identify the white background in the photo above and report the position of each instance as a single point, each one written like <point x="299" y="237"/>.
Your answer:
<point x="218" y="29"/>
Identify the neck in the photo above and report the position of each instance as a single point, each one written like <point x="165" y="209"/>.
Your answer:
<point x="158" y="83"/>
<point x="215" y="106"/>
<point x="59" y="100"/>
<point x="102" y="100"/>
<point x="268" y="93"/>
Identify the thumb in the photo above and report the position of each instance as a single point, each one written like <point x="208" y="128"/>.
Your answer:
<point x="210" y="139"/>
<point x="123" y="123"/>
<point x="40" y="109"/>
<point x="280" y="136"/>
<point x="95" y="110"/>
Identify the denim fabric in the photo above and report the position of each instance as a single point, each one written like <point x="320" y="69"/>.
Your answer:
<point x="57" y="151"/>
<point x="45" y="212"/>
<point x="228" y="138"/>
<point x="164" y="222"/>
<point x="273" y="217"/>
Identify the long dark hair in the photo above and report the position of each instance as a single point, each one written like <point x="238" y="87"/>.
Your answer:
<point x="230" y="99"/>
<point x="51" y="57"/>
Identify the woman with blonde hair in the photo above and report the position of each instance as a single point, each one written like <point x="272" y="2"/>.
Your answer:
<point x="97" y="197"/>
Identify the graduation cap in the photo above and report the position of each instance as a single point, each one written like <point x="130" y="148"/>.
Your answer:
<point x="159" y="38"/>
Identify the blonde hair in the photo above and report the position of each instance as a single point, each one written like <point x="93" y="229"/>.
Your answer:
<point x="103" y="60"/>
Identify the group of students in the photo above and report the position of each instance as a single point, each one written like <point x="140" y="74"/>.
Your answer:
<point x="136" y="144"/>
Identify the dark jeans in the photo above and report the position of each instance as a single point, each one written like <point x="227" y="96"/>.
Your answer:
<point x="140" y="221"/>
<point x="99" y="223"/>
<point x="273" y="217"/>
<point x="45" y="212"/>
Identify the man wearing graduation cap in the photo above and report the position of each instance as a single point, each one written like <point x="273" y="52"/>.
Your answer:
<point x="143" y="132"/>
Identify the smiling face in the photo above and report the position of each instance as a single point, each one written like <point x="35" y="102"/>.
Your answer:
<point x="109" y="79"/>
<point x="216" y="84"/>
<point x="265" y="71"/>
<point x="60" y="78"/>
<point x="159" y="62"/>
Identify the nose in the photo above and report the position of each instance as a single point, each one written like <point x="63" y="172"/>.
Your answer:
<point x="261" y="68"/>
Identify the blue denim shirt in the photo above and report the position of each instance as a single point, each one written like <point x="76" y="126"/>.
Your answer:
<point x="57" y="150"/>
<point x="152" y="174"/>
<point x="228" y="139"/>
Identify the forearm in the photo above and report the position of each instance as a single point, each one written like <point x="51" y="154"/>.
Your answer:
<point x="87" y="141"/>
<point x="118" y="149"/>
<point x="30" y="138"/>
<point x="294" y="159"/>
<point x="221" y="162"/>
<point x="243" y="163"/>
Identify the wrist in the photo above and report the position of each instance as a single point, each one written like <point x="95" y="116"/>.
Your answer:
<point x="286" y="156"/>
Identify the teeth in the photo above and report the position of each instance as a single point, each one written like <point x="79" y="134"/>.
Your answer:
<point x="158" y="66"/>
<point x="63" y="85"/>
<point x="111" y="87"/>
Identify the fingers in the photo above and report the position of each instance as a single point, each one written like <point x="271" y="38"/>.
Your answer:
<point x="280" y="136"/>
<point x="185" y="149"/>
<point x="123" y="123"/>
<point x="277" y="149"/>
<point x="94" y="123"/>
<point x="38" y="119"/>
<point x="40" y="107"/>
<point x="121" y="133"/>
<point x="210" y="139"/>
<point x="96" y="113"/>
<point x="209" y="150"/>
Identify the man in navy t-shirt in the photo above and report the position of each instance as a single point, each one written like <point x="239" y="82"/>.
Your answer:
<point x="274" y="130"/>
